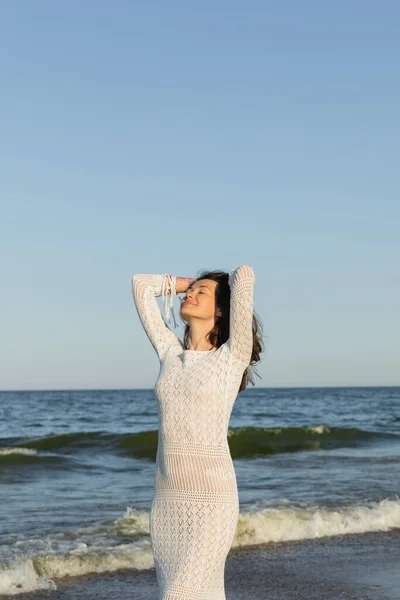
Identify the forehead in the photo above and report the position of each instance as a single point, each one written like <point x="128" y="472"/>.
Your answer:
<point x="205" y="283"/>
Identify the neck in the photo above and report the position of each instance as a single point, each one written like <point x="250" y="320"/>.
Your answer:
<point x="198" y="331"/>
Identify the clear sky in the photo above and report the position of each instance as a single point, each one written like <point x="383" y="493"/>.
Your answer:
<point x="154" y="137"/>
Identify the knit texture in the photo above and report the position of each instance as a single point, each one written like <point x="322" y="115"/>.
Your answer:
<point x="195" y="507"/>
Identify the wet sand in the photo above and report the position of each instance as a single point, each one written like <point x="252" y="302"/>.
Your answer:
<point x="348" y="567"/>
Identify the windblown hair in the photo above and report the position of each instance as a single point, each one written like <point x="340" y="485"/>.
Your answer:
<point x="219" y="334"/>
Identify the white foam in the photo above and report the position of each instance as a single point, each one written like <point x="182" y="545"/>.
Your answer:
<point x="319" y="429"/>
<point x="16" y="450"/>
<point x="38" y="573"/>
<point x="86" y="561"/>
<point x="284" y="524"/>
<point x="95" y="549"/>
<point x="134" y="522"/>
<point x="21" y="578"/>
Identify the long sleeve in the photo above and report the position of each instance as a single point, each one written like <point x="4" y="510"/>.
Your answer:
<point x="240" y="342"/>
<point x="145" y="288"/>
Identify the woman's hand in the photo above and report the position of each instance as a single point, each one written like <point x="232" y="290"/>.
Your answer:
<point x="182" y="283"/>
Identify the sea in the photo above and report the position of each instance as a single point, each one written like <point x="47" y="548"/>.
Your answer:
<point x="77" y="474"/>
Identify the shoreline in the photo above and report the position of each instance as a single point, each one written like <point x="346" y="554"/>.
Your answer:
<point x="361" y="566"/>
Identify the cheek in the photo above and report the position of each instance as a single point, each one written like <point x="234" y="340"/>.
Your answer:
<point x="210" y="304"/>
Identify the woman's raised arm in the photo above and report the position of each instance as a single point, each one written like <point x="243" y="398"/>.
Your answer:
<point x="240" y="342"/>
<point x="145" y="288"/>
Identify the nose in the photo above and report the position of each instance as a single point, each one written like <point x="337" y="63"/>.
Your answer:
<point x="188" y="296"/>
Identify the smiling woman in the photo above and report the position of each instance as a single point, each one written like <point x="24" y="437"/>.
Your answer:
<point x="199" y="311"/>
<point x="207" y="309"/>
<point x="195" y="507"/>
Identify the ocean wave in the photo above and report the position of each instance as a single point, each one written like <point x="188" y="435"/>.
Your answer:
<point x="125" y="544"/>
<point x="21" y="578"/>
<point x="287" y="524"/>
<point x="16" y="450"/>
<point x="248" y="442"/>
<point x="244" y="442"/>
<point x="19" y="456"/>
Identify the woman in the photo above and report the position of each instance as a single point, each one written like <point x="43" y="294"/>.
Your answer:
<point x="195" y="508"/>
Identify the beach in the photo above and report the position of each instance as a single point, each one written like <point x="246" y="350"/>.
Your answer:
<point x="318" y="474"/>
<point x="346" y="567"/>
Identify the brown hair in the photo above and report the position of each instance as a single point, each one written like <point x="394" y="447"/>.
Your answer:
<point x="219" y="334"/>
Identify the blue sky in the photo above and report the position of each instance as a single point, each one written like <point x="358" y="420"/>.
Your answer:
<point x="159" y="137"/>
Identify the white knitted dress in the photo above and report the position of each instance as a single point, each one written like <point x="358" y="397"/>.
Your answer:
<point x="195" y="508"/>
